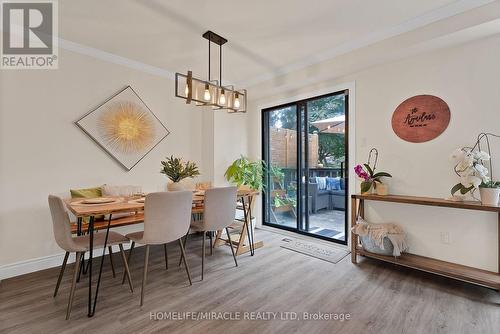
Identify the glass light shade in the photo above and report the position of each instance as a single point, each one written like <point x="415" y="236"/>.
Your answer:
<point x="209" y="93"/>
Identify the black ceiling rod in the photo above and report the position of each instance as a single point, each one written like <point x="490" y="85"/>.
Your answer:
<point x="209" y="59"/>
<point x="220" y="64"/>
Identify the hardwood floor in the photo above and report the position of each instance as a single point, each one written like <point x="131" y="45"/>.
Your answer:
<point x="380" y="298"/>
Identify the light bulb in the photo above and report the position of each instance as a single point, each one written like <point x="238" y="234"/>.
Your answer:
<point x="222" y="97"/>
<point x="186" y="90"/>
<point x="207" y="96"/>
<point x="236" y="101"/>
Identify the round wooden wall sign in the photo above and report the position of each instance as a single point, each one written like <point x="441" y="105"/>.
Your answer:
<point x="421" y="118"/>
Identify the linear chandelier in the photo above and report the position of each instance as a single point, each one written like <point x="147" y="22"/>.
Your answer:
<point x="211" y="92"/>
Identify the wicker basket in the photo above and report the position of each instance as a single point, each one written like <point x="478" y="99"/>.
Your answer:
<point x="370" y="246"/>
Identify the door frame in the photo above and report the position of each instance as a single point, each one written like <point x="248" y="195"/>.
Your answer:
<point x="350" y="147"/>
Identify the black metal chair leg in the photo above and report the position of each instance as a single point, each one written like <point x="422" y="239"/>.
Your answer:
<point x="61" y="273"/>
<point x="110" y="249"/>
<point x="185" y="262"/>
<point x="128" y="259"/>
<point x="231" y="245"/>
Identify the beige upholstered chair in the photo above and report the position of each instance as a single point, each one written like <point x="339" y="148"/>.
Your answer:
<point x="220" y="207"/>
<point x="62" y="233"/>
<point x="166" y="219"/>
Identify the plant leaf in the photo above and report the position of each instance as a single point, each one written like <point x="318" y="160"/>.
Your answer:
<point x="365" y="186"/>
<point x="369" y="169"/>
<point x="456" y="188"/>
<point x="380" y="174"/>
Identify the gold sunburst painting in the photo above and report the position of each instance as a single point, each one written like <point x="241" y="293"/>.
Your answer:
<point x="124" y="127"/>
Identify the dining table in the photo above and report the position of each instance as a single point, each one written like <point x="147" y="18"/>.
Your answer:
<point x="113" y="205"/>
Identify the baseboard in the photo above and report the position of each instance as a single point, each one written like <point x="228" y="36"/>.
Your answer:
<point x="41" y="263"/>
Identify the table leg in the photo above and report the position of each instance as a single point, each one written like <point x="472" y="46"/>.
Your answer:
<point x="82" y="256"/>
<point x="245" y="215"/>
<point x="354" y="237"/>
<point x="91" y="248"/>
<point x="102" y="263"/>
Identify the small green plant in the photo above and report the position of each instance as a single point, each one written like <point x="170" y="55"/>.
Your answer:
<point x="245" y="172"/>
<point x="176" y="170"/>
<point x="490" y="184"/>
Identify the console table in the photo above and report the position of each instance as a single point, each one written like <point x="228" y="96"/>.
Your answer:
<point x="464" y="273"/>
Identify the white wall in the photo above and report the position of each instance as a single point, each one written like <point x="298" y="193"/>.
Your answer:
<point x="42" y="152"/>
<point x="467" y="78"/>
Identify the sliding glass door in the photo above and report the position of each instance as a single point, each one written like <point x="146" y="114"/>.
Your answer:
<point x="305" y="148"/>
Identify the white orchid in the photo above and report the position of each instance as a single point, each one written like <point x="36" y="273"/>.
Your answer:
<point x="481" y="171"/>
<point x="470" y="181"/>
<point x="469" y="167"/>
<point x="481" y="156"/>
<point x="457" y="155"/>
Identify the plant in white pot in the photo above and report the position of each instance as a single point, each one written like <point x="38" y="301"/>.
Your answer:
<point x="489" y="192"/>
<point x="470" y="166"/>
<point x="176" y="170"/>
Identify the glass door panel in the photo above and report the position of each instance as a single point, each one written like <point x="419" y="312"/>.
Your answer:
<point x="281" y="158"/>
<point x="326" y="124"/>
<point x="305" y="148"/>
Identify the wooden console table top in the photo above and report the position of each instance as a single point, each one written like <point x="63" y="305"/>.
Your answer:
<point x="429" y="201"/>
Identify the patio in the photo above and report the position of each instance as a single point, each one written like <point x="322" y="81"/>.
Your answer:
<point x="327" y="223"/>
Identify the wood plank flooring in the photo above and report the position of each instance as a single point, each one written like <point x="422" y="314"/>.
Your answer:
<point x="379" y="297"/>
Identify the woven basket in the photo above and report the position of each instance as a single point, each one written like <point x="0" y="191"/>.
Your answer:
<point x="370" y="246"/>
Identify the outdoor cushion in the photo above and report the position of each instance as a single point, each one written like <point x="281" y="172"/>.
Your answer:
<point x="342" y="183"/>
<point x="332" y="183"/>
<point x="321" y="181"/>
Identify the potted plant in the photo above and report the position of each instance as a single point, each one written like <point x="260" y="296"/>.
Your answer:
<point x="243" y="172"/>
<point x="470" y="166"/>
<point x="369" y="178"/>
<point x="489" y="192"/>
<point x="176" y="170"/>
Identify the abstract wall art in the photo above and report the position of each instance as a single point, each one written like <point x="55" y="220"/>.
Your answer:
<point x="124" y="127"/>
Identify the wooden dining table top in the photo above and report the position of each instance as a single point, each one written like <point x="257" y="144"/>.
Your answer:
<point x="130" y="204"/>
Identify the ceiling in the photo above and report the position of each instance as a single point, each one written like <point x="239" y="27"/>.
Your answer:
<point x="266" y="38"/>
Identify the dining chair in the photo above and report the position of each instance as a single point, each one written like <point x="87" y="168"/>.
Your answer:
<point x="166" y="219"/>
<point x="218" y="214"/>
<point x="78" y="245"/>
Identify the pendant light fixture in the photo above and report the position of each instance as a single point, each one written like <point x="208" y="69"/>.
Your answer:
<point x="211" y="92"/>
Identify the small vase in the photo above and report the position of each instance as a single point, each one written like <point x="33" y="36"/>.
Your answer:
<point x="382" y="189"/>
<point x="369" y="191"/>
<point x="489" y="196"/>
<point x="175" y="186"/>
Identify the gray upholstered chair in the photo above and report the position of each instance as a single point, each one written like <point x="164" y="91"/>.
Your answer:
<point x="218" y="214"/>
<point x="62" y="233"/>
<point x="166" y="219"/>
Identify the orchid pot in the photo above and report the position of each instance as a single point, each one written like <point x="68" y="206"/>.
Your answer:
<point x="490" y="193"/>
<point x="382" y="189"/>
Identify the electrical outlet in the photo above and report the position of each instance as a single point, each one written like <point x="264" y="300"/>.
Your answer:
<point x="445" y="238"/>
